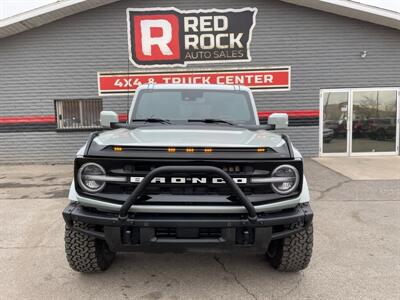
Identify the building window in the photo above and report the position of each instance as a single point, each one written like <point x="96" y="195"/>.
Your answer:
<point x="78" y="114"/>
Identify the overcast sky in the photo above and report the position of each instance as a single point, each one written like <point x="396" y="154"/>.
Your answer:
<point x="12" y="7"/>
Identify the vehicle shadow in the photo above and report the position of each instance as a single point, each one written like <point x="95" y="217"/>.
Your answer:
<point x="194" y="275"/>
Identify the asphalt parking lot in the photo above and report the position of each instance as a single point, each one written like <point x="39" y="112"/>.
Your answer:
<point x="356" y="251"/>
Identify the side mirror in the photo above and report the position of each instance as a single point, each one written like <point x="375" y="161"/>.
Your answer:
<point x="108" y="117"/>
<point x="280" y="120"/>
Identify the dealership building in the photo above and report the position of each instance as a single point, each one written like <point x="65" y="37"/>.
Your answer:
<point x="333" y="66"/>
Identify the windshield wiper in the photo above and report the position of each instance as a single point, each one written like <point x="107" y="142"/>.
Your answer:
<point x="210" y="121"/>
<point x="152" y="120"/>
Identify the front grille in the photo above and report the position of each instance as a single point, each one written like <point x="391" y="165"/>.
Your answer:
<point x="189" y="193"/>
<point x="188" y="188"/>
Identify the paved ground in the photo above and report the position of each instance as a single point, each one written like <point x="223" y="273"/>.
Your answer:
<point x="357" y="248"/>
<point x="364" y="168"/>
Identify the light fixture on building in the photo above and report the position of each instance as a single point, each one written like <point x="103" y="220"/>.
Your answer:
<point x="363" y="54"/>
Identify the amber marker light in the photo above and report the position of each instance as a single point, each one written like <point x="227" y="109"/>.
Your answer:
<point x="171" y="150"/>
<point x="208" y="150"/>
<point x="260" y="149"/>
<point x="117" y="149"/>
<point x="189" y="150"/>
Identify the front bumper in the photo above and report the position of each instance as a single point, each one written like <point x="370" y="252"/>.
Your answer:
<point x="142" y="231"/>
<point x="128" y="230"/>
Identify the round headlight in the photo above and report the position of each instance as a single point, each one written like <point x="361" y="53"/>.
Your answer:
<point x="290" y="179"/>
<point x="85" y="177"/>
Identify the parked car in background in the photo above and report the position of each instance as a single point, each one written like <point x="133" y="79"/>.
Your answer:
<point x="382" y="128"/>
<point x="328" y="135"/>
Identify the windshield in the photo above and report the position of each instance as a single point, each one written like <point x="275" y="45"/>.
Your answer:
<point x="183" y="105"/>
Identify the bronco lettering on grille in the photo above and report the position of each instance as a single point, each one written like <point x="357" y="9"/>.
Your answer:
<point x="193" y="180"/>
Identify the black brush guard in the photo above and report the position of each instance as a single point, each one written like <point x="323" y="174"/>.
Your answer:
<point x="236" y="191"/>
<point x="126" y="232"/>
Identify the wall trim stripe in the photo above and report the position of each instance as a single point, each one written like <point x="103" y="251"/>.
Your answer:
<point x="27" y="119"/>
<point x="48" y="122"/>
<point x="291" y="113"/>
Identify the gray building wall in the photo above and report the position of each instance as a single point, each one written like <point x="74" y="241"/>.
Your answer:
<point x="61" y="60"/>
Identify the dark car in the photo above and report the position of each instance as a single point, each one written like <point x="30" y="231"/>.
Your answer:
<point x="382" y="128"/>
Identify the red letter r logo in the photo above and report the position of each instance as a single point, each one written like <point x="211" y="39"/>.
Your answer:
<point x="156" y="37"/>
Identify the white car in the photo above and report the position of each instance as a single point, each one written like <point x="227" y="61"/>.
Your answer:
<point x="192" y="167"/>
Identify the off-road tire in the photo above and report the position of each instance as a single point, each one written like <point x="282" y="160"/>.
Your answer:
<point x="292" y="253"/>
<point x="85" y="253"/>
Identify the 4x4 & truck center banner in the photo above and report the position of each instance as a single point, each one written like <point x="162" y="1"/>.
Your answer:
<point x="258" y="79"/>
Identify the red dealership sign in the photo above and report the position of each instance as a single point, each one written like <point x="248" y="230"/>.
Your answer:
<point x="167" y="36"/>
<point x="258" y="79"/>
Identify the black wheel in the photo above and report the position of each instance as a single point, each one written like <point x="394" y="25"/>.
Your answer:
<point x="293" y="253"/>
<point x="86" y="254"/>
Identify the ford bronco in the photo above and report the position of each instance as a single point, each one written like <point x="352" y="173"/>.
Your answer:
<point x="192" y="167"/>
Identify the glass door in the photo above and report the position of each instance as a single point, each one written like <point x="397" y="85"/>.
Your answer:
<point x="334" y="138"/>
<point x="374" y="117"/>
<point x="359" y="121"/>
